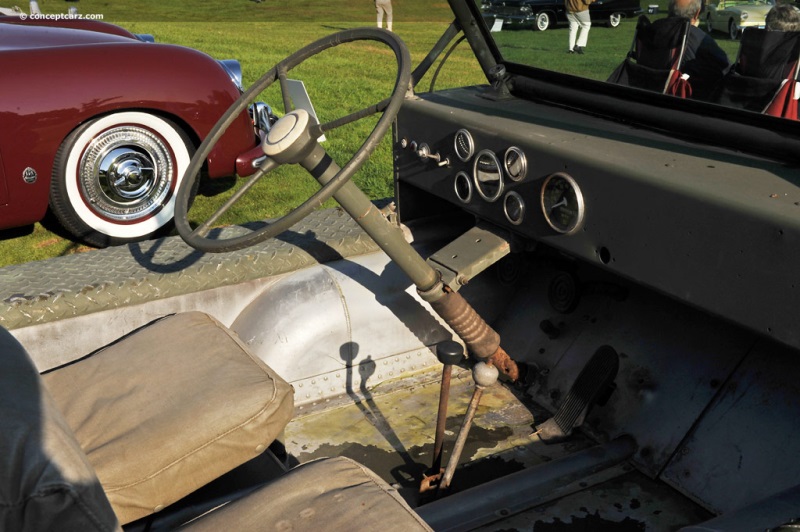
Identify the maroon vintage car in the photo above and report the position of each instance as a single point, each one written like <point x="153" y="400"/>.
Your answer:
<point x="99" y="125"/>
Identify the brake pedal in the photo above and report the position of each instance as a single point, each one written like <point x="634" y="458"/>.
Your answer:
<point x="592" y="384"/>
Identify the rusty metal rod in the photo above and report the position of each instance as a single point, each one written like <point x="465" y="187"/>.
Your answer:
<point x="458" y="448"/>
<point x="441" y="418"/>
<point x="484" y="375"/>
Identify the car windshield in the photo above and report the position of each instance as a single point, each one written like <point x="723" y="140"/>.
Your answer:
<point x="533" y="37"/>
<point x="730" y="3"/>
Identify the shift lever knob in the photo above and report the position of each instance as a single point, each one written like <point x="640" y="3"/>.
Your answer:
<point x="449" y="352"/>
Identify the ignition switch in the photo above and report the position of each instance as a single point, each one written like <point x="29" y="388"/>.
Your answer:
<point x="424" y="153"/>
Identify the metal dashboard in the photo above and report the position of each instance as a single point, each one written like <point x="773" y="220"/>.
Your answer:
<point x="717" y="229"/>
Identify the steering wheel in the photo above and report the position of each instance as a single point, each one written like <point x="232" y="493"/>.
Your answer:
<point x="292" y="140"/>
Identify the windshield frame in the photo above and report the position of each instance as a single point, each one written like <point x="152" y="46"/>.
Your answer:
<point x="706" y="123"/>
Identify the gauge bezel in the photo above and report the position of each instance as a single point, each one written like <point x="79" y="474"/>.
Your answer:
<point x="577" y="222"/>
<point x="470" y="188"/>
<point x="476" y="181"/>
<point x="470" y="144"/>
<point x="523" y="161"/>
<point x="518" y="198"/>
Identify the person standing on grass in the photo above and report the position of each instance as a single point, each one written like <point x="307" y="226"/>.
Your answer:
<point x="384" y="6"/>
<point x="579" y="24"/>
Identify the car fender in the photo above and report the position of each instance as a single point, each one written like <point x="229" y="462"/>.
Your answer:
<point x="57" y="89"/>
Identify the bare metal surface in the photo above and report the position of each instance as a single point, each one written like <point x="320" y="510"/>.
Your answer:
<point x="80" y="284"/>
<point x="524" y="489"/>
<point x="390" y="428"/>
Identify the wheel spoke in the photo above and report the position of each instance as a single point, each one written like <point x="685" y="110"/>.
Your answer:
<point x="266" y="167"/>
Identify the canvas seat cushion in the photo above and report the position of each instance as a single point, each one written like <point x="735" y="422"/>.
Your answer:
<point x="46" y="482"/>
<point x="169" y="408"/>
<point x="328" y="494"/>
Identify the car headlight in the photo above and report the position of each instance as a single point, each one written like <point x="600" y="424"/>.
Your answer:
<point x="234" y="70"/>
<point x="525" y="9"/>
<point x="744" y="15"/>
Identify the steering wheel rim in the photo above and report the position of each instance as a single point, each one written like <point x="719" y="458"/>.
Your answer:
<point x="279" y="71"/>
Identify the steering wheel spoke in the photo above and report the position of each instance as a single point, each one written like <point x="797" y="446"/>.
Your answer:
<point x="293" y="140"/>
<point x="355" y="116"/>
<point x="201" y="231"/>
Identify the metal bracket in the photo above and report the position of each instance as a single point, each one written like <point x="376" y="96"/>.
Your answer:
<point x="468" y="255"/>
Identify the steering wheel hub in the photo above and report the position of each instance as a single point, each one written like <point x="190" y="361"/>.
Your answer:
<point x="288" y="140"/>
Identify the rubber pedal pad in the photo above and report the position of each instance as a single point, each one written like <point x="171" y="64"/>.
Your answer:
<point x="593" y="382"/>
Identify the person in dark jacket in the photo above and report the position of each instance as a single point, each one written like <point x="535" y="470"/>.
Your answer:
<point x="703" y="61"/>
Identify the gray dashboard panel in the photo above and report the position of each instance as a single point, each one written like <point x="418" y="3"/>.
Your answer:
<point x="716" y="229"/>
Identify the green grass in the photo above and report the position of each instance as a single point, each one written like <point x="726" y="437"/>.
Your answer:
<point x="340" y="81"/>
<point x="605" y="50"/>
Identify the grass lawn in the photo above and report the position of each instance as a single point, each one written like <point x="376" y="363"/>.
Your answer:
<point x="259" y="34"/>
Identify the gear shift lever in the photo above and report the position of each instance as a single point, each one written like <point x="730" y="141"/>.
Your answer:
<point x="449" y="354"/>
<point x="484" y="376"/>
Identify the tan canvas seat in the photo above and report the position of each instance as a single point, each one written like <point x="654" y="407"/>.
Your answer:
<point x="159" y="414"/>
<point x="167" y="409"/>
<point x="327" y="494"/>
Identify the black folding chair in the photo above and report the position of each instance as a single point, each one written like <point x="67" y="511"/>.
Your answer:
<point x="655" y="57"/>
<point x="763" y="78"/>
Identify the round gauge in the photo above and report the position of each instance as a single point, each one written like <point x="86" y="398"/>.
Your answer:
<point x="463" y="187"/>
<point x="516" y="163"/>
<point x="488" y="175"/>
<point x="562" y="203"/>
<point x="464" y="145"/>
<point x="514" y="207"/>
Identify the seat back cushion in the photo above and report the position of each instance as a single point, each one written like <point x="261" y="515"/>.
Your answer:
<point x="46" y="482"/>
<point x="327" y="494"/>
<point x="169" y="408"/>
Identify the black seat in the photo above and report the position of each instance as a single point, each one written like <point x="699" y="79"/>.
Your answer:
<point x="763" y="77"/>
<point x="655" y="57"/>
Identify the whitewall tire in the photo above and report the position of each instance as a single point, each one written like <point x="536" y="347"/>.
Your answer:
<point x="115" y="177"/>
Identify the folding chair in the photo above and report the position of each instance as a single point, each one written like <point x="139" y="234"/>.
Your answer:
<point x="655" y="57"/>
<point x="764" y="77"/>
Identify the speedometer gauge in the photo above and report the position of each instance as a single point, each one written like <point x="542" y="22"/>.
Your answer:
<point x="562" y="203"/>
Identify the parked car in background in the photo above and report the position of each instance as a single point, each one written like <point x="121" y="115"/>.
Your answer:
<point x="99" y="125"/>
<point x="732" y="16"/>
<point x="544" y="14"/>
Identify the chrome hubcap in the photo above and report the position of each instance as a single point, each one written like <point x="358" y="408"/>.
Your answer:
<point x="126" y="173"/>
